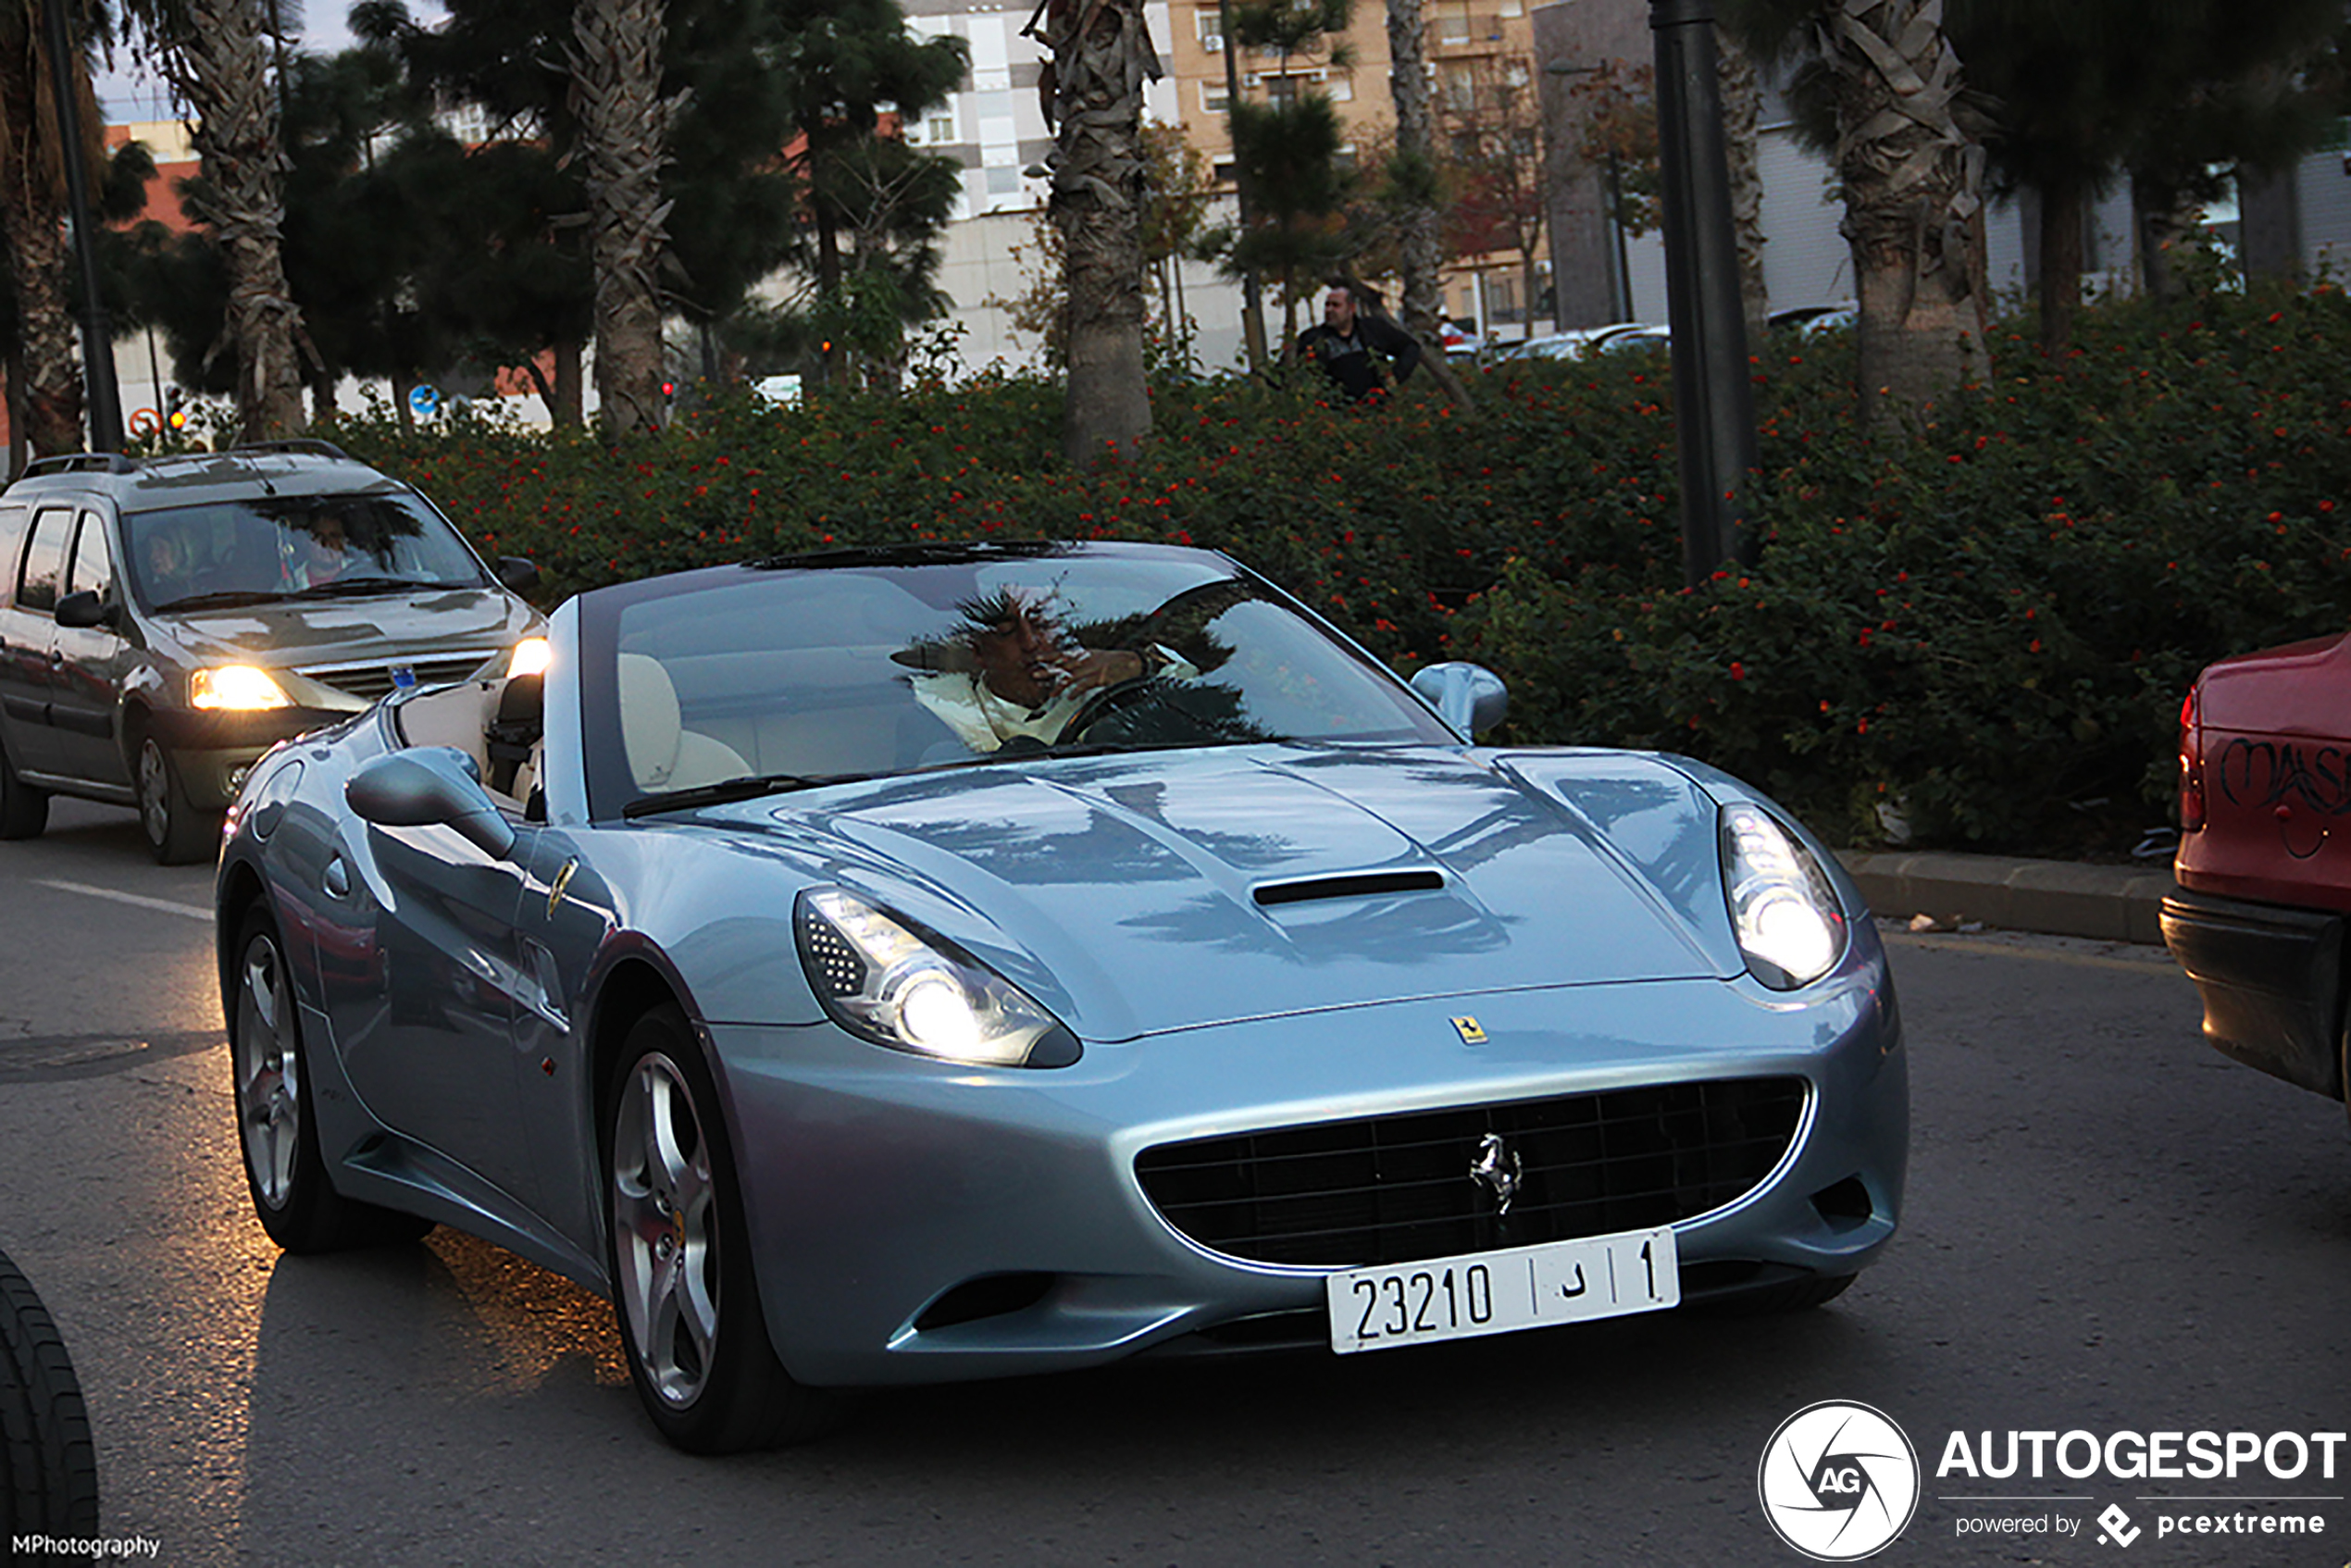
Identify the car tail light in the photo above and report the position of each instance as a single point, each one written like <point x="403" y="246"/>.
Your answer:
<point x="2191" y="766"/>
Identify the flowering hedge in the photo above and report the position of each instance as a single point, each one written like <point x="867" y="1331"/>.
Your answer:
<point x="1986" y="621"/>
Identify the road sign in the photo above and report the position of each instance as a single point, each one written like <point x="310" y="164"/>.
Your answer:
<point x="424" y="401"/>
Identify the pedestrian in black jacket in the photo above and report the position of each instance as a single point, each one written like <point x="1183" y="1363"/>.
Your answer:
<point x="1360" y="350"/>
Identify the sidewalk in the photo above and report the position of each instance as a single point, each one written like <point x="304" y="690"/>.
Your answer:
<point x="2111" y="902"/>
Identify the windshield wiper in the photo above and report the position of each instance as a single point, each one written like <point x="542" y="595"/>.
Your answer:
<point x="729" y="789"/>
<point x="222" y="598"/>
<point x="343" y="585"/>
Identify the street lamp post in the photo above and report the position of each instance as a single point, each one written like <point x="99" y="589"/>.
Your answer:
<point x="1713" y="403"/>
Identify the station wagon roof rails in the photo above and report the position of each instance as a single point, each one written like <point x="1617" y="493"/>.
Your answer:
<point x="310" y="444"/>
<point x="79" y="462"/>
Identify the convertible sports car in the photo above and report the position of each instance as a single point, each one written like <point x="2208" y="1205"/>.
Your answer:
<point x="961" y="961"/>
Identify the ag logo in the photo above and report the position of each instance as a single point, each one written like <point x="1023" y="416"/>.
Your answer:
<point x="1839" y="1481"/>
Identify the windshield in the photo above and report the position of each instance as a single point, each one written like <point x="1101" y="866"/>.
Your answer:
<point x="789" y="678"/>
<point x="286" y="546"/>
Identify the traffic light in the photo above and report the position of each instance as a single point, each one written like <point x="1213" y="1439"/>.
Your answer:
<point x="669" y="390"/>
<point x="175" y="411"/>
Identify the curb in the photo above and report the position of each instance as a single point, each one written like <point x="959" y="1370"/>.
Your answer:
<point x="2116" y="903"/>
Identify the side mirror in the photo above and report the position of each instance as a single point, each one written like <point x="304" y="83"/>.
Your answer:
<point x="1469" y="697"/>
<point x="84" y="609"/>
<point x="517" y="574"/>
<point x="427" y="786"/>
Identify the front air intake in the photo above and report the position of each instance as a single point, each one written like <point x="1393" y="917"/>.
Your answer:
<point x="1390" y="1189"/>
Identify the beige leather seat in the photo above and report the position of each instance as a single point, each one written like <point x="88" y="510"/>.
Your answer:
<point x="662" y="754"/>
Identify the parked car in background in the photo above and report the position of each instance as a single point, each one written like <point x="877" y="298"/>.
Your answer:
<point x="1812" y="320"/>
<point x="1570" y="345"/>
<point x="163" y="622"/>
<point x="1456" y="338"/>
<point x="2264" y="863"/>
<point x="1637" y="340"/>
<point x="965" y="961"/>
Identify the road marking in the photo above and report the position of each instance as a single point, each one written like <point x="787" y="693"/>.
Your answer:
<point x="192" y="911"/>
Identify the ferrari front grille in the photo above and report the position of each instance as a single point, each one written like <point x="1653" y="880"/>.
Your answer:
<point x="1390" y="1189"/>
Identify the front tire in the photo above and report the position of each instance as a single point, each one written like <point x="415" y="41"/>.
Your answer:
<point x="48" y="1465"/>
<point x="291" y="1194"/>
<point x="176" y="832"/>
<point x="678" y="1247"/>
<point x="24" y="811"/>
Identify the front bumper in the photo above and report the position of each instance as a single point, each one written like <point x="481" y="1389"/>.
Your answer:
<point x="2271" y="978"/>
<point x="213" y="750"/>
<point x="876" y="1184"/>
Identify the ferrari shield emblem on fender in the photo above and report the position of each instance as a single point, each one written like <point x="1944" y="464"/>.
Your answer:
<point x="563" y="880"/>
<point x="1469" y="1031"/>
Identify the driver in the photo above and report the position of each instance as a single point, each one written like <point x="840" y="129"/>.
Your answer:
<point x="1014" y="670"/>
<point x="321" y="554"/>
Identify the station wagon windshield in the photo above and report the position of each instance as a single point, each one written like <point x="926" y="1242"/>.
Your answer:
<point x="782" y="680"/>
<point x="267" y="548"/>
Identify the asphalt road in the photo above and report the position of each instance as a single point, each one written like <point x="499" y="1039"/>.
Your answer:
<point x="2110" y="1228"/>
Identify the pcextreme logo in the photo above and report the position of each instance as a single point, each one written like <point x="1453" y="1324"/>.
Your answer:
<point x="1839" y="1481"/>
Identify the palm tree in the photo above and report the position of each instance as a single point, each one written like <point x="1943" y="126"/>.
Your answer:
<point x="1413" y="172"/>
<point x="1103" y="56"/>
<point x="1908" y="154"/>
<point x="624" y="127"/>
<point x="33" y="208"/>
<point x="216" y="55"/>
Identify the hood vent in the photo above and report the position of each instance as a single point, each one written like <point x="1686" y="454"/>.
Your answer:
<point x="1348" y="885"/>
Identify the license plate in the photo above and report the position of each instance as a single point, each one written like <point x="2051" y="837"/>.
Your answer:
<point x="1378" y="1309"/>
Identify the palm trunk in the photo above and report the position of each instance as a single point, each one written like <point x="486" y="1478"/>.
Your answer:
<point x="2062" y="205"/>
<point x="1421" y="303"/>
<point x="52" y="351"/>
<point x="1742" y="114"/>
<point x="567" y="407"/>
<point x="221" y="65"/>
<point x="615" y="90"/>
<point x="1913" y="178"/>
<point x="46" y="376"/>
<point x="2168" y="226"/>
<point x="1103" y="56"/>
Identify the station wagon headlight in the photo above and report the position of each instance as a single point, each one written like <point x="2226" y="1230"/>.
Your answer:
<point x="1782" y="907"/>
<point x="531" y="656"/>
<point x="241" y="688"/>
<point x="885" y="982"/>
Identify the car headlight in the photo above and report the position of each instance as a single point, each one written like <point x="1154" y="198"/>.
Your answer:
<point x="239" y="687"/>
<point x="1782" y="907"/>
<point x="885" y="982"/>
<point x="531" y="656"/>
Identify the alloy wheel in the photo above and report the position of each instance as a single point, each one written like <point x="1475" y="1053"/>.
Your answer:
<point x="664" y="1226"/>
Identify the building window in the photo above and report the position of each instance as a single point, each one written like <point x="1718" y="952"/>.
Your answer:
<point x="1453" y="21"/>
<point x="1209" y="28"/>
<point x="941" y="129"/>
<point x="1214" y="99"/>
<point x="1341" y="90"/>
<point x="1282" y="91"/>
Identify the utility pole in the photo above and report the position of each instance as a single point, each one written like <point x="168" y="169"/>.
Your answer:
<point x="1713" y="400"/>
<point x="99" y="390"/>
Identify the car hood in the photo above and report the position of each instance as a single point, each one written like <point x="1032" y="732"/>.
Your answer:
<point x="297" y="633"/>
<point x="1145" y="893"/>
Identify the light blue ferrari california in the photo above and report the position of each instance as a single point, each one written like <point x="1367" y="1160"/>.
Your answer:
<point x="971" y="960"/>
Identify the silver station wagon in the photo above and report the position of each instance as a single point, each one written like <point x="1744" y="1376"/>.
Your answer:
<point x="165" y="622"/>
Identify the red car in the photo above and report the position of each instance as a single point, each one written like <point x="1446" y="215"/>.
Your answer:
<point x="2265" y="858"/>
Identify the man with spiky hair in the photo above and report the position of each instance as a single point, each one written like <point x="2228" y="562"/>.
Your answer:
<point x="1014" y="671"/>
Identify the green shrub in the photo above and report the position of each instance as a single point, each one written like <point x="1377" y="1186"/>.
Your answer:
<point x="1986" y="621"/>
